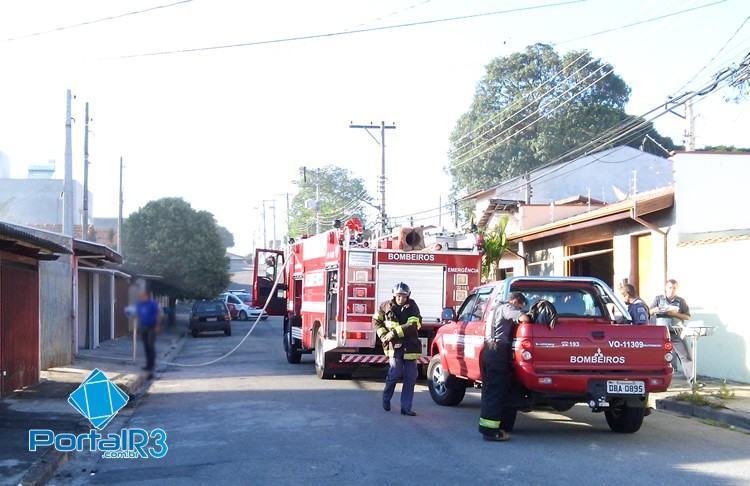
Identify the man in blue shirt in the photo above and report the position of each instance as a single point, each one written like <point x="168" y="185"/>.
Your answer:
<point x="638" y="310"/>
<point x="149" y="320"/>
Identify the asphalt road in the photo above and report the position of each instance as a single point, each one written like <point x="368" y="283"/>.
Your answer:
<point x="254" y="419"/>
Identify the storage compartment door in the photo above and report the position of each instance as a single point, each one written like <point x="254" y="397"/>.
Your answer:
<point x="427" y="284"/>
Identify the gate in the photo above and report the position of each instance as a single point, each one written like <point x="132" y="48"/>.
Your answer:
<point x="19" y="325"/>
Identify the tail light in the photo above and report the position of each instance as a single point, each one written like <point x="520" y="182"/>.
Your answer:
<point x="194" y="317"/>
<point x="668" y="357"/>
<point x="355" y="335"/>
<point x="668" y="346"/>
<point x="526" y="346"/>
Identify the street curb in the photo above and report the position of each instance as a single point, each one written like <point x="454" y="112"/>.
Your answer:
<point x="721" y="415"/>
<point x="43" y="469"/>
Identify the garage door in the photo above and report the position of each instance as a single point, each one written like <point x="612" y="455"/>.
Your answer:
<point x="427" y="283"/>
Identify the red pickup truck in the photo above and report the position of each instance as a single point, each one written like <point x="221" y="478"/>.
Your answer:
<point x="592" y="355"/>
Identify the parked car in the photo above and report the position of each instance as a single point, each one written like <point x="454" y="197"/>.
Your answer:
<point x="244" y="310"/>
<point x="244" y="296"/>
<point x="210" y="315"/>
<point x="592" y="355"/>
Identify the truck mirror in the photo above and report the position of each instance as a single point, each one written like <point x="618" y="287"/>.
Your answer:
<point x="449" y="314"/>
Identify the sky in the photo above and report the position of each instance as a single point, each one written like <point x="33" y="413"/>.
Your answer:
<point x="229" y="128"/>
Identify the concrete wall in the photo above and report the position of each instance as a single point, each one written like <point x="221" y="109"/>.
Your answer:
<point x="548" y="250"/>
<point x="712" y="279"/>
<point x="38" y="201"/>
<point x="55" y="312"/>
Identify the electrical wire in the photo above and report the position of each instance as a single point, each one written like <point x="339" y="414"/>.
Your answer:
<point x="349" y="32"/>
<point x="630" y="126"/>
<point x="641" y="22"/>
<point x="718" y="53"/>
<point x="524" y="95"/>
<point x="96" y="21"/>
<point x="534" y="122"/>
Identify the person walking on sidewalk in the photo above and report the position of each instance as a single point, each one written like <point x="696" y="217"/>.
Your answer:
<point x="149" y="321"/>
<point x="496" y="372"/>
<point x="672" y="310"/>
<point x="397" y="323"/>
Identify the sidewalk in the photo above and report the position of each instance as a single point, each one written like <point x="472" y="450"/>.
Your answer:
<point x="733" y="412"/>
<point x="45" y="405"/>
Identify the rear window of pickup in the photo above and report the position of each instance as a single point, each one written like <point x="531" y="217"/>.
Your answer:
<point x="570" y="302"/>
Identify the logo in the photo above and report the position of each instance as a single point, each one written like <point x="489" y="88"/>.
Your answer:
<point x="411" y="257"/>
<point x="98" y="399"/>
<point x="597" y="358"/>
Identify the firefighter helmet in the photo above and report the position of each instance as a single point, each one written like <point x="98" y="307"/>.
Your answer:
<point x="401" y="288"/>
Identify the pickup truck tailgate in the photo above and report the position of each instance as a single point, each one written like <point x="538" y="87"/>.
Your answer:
<point x="581" y="344"/>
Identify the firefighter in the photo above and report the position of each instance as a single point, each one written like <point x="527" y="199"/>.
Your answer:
<point x="496" y="372"/>
<point x="396" y="324"/>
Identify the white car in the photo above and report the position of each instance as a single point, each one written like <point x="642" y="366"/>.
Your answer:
<point x="244" y="311"/>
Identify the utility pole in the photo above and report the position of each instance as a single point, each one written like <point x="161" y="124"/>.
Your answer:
<point x="440" y="214"/>
<point x="527" y="178"/>
<point x="317" y="206"/>
<point x="85" y="213"/>
<point x="381" y="186"/>
<point x="265" y="242"/>
<point x="273" y="215"/>
<point x="68" y="181"/>
<point x="690" y="131"/>
<point x="119" y="213"/>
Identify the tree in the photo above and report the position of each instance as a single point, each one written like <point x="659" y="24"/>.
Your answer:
<point x="509" y="131"/>
<point x="495" y="244"/>
<point x="227" y="238"/>
<point x="341" y="196"/>
<point x="167" y="237"/>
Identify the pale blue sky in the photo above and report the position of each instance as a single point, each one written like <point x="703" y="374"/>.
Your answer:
<point x="228" y="128"/>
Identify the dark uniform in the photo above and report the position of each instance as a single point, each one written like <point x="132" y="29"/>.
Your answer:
<point x="403" y="351"/>
<point x="496" y="372"/>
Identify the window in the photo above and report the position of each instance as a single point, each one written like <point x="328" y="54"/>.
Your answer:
<point x="480" y="306"/>
<point x="466" y="308"/>
<point x="568" y="303"/>
<point x="210" y="307"/>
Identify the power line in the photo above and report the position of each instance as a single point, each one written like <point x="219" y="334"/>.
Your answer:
<point x="96" y="21"/>
<point x="632" y="126"/>
<point x="525" y="95"/>
<point x="538" y="119"/>
<point x="349" y="32"/>
<point x="641" y="22"/>
<point x="718" y="53"/>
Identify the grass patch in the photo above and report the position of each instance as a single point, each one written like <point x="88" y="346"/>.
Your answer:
<point x="724" y="392"/>
<point x="698" y="399"/>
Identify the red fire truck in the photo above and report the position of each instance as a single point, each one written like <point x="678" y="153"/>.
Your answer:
<point x="335" y="282"/>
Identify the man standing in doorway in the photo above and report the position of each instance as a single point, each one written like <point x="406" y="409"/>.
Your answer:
<point x="397" y="323"/>
<point x="496" y="372"/>
<point x="672" y="310"/>
<point x="149" y="321"/>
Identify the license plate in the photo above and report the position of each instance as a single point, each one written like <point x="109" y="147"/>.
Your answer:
<point x="211" y="318"/>
<point x="424" y="346"/>
<point x="626" y="387"/>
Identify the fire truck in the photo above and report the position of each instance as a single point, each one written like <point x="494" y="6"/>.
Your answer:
<point x="335" y="282"/>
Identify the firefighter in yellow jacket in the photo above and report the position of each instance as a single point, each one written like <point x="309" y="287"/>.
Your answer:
<point x="396" y="323"/>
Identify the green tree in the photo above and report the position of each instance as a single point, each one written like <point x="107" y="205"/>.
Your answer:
<point x="341" y="196"/>
<point x="500" y="137"/>
<point x="495" y="244"/>
<point x="167" y="237"/>
<point x="227" y="238"/>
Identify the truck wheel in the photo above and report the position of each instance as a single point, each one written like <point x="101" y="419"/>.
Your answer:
<point x="445" y="389"/>
<point x="624" y="419"/>
<point x="293" y="354"/>
<point x="320" y="359"/>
